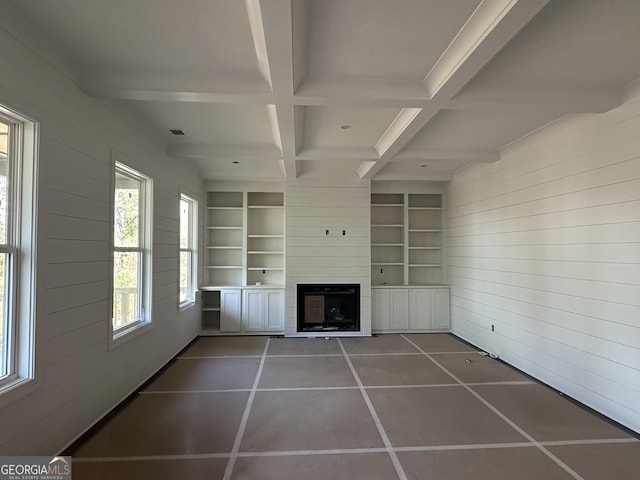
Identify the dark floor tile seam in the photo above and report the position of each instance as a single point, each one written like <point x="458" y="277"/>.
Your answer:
<point x="376" y="419"/>
<point x="245" y="416"/>
<point x="504" y="417"/>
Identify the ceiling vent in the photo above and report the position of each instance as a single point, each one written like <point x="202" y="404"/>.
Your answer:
<point x="177" y="131"/>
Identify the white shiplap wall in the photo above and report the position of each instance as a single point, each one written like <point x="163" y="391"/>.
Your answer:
<point x="545" y="246"/>
<point x="78" y="376"/>
<point x="312" y="207"/>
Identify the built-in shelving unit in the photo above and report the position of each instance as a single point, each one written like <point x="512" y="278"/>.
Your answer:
<point x="224" y="238"/>
<point x="387" y="238"/>
<point x="424" y="234"/>
<point x="406" y="239"/>
<point x="265" y="238"/>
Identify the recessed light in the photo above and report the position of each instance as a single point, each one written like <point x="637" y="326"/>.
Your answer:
<point x="177" y="131"/>
<point x="346" y="126"/>
<point x="236" y="162"/>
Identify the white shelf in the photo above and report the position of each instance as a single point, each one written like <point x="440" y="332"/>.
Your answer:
<point x="425" y="208"/>
<point x="265" y="252"/>
<point x="224" y="208"/>
<point x="219" y="227"/>
<point x="387" y="263"/>
<point x="387" y="244"/>
<point x="224" y="247"/>
<point x="268" y="269"/>
<point x="429" y="230"/>
<point x="425" y="248"/>
<point x="264" y="236"/>
<point x="394" y="225"/>
<point x="223" y="267"/>
<point x="210" y="309"/>
<point x="427" y="265"/>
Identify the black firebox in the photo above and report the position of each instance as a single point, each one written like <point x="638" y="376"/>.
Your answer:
<point x="328" y="307"/>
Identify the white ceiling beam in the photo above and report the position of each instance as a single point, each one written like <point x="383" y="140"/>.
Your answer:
<point x="272" y="29"/>
<point x="224" y="152"/>
<point x="177" y="87"/>
<point x="443" y="156"/>
<point x="488" y="29"/>
<point x="335" y="153"/>
<point x="484" y="34"/>
<point x="561" y="99"/>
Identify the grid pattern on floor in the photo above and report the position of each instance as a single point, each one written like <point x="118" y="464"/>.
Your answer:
<point x="409" y="406"/>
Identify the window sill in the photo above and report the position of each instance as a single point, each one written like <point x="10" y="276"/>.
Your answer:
<point x="16" y="389"/>
<point x="118" y="338"/>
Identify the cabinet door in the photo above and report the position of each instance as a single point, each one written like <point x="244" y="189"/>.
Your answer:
<point x="440" y="312"/>
<point x="253" y="311"/>
<point x="399" y="309"/>
<point x="274" y="310"/>
<point x="230" y="301"/>
<point x="420" y="309"/>
<point x="380" y="309"/>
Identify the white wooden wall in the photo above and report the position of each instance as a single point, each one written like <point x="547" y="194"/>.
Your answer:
<point x="312" y="207"/>
<point x="78" y="378"/>
<point x="545" y="246"/>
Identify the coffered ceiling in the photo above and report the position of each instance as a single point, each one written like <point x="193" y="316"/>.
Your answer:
<point x="402" y="89"/>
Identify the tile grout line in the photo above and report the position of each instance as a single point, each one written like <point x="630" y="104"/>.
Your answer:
<point x="519" y="429"/>
<point x="344" y="387"/>
<point x="313" y="355"/>
<point x="376" y="419"/>
<point x="245" y="416"/>
<point x="350" y="451"/>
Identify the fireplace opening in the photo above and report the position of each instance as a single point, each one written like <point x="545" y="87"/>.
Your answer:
<point x="328" y="307"/>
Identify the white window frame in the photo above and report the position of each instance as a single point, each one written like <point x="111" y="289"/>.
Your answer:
<point x="192" y="249"/>
<point x="145" y="215"/>
<point x="20" y="248"/>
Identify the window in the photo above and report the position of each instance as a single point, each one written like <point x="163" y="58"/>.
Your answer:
<point x="188" y="235"/>
<point x="131" y="250"/>
<point x="17" y="233"/>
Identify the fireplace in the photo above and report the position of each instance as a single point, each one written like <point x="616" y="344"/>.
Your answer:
<point x="328" y="307"/>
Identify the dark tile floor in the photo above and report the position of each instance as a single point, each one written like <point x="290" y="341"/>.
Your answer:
<point x="419" y="406"/>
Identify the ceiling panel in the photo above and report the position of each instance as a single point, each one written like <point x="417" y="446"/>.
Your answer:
<point x="322" y="126"/>
<point x="379" y="39"/>
<point x="474" y="130"/>
<point x="210" y="123"/>
<point x="157" y="35"/>
<point x="570" y="43"/>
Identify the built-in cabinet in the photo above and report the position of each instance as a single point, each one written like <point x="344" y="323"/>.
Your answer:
<point x="242" y="310"/>
<point x="262" y="310"/>
<point x="244" y="262"/>
<point x="390" y="309"/>
<point x="410" y="309"/>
